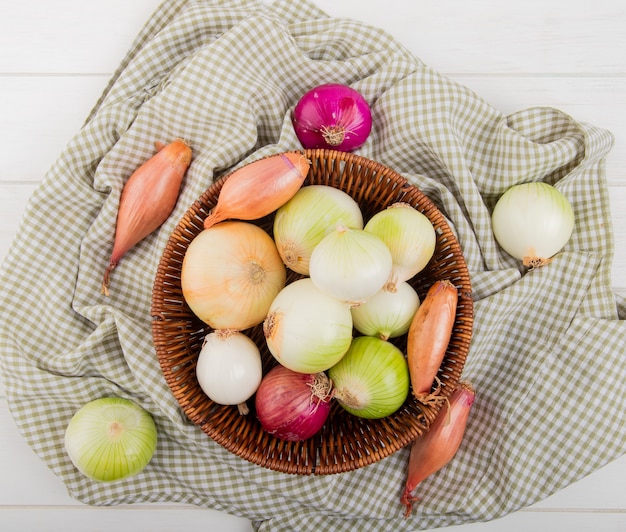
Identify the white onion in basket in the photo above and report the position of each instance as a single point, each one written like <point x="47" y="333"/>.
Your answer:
<point x="306" y="330"/>
<point x="410" y="237"/>
<point x="229" y="368"/>
<point x="350" y="264"/>
<point x="387" y="314"/>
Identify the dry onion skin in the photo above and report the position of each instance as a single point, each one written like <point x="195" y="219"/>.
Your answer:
<point x="230" y="275"/>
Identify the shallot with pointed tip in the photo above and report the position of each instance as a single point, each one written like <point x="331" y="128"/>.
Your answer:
<point x="429" y="336"/>
<point x="259" y="188"/>
<point x="433" y="450"/>
<point x="148" y="198"/>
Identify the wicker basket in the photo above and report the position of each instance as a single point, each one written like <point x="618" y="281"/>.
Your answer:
<point x="345" y="442"/>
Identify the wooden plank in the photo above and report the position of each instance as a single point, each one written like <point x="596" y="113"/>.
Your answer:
<point x="40" y="115"/>
<point x="69" y="36"/>
<point x="154" y="518"/>
<point x="157" y="519"/>
<point x="491" y="36"/>
<point x="487" y="36"/>
<point x="33" y="484"/>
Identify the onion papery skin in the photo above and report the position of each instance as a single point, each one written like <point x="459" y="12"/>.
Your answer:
<point x="532" y="222"/>
<point x="110" y="439"/>
<point x="387" y="314"/>
<point x="293" y="406"/>
<point x="229" y="368"/>
<point x="230" y="275"/>
<point x="410" y="237"/>
<point x="350" y="264"/>
<point x="372" y="379"/>
<point x="307" y="218"/>
<point x="307" y="330"/>
<point x="332" y="116"/>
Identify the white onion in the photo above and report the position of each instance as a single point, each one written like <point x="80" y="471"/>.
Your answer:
<point x="350" y="264"/>
<point x="110" y="439"/>
<point x="230" y="274"/>
<point x="302" y="222"/>
<point x="387" y="314"/>
<point x="532" y="222"/>
<point x="229" y="368"/>
<point x="306" y="330"/>
<point x="410" y="237"/>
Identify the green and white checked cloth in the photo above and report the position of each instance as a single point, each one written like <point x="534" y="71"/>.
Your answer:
<point x="547" y="359"/>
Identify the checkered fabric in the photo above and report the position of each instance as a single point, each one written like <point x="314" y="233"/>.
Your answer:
<point x="548" y="352"/>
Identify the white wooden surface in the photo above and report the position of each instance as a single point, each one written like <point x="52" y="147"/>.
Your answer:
<point x="57" y="55"/>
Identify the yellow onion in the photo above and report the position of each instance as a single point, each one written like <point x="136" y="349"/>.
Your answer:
<point x="230" y="275"/>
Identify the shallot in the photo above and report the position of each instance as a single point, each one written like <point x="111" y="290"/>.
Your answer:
<point x="148" y="198"/>
<point x="433" y="450"/>
<point x="259" y="188"/>
<point x="429" y="336"/>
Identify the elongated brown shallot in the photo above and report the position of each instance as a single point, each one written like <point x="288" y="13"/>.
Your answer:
<point x="259" y="188"/>
<point x="429" y="336"/>
<point x="433" y="450"/>
<point x="148" y="198"/>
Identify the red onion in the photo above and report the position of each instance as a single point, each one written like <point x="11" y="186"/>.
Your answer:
<point x="332" y="116"/>
<point x="293" y="406"/>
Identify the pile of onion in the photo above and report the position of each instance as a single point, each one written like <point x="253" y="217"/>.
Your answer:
<point x="355" y="277"/>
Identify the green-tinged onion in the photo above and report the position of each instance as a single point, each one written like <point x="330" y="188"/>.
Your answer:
<point x="372" y="379"/>
<point x="110" y="439"/>
<point x="350" y="264"/>
<point x="308" y="217"/>
<point x="306" y="330"/>
<point x="410" y="237"/>
<point x="229" y="368"/>
<point x="387" y="314"/>
<point x="532" y="222"/>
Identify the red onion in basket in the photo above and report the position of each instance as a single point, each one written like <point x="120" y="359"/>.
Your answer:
<point x="293" y="406"/>
<point x="332" y="116"/>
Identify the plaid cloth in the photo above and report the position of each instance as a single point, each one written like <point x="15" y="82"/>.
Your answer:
<point x="547" y="357"/>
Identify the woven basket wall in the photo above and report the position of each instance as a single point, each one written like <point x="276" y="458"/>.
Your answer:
<point x="346" y="442"/>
